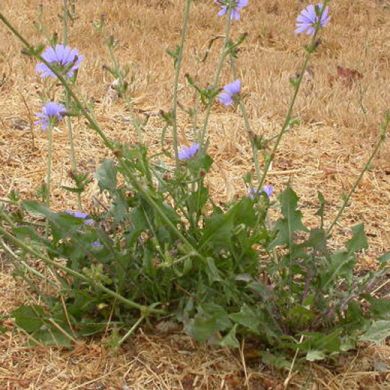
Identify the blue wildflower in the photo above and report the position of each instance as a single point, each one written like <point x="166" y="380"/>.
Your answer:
<point x="81" y="215"/>
<point x="65" y="59"/>
<point x="228" y="92"/>
<point x="51" y="114"/>
<point x="187" y="152"/>
<point x="237" y="6"/>
<point x="309" y="17"/>
<point x="96" y="244"/>
<point x="267" y="189"/>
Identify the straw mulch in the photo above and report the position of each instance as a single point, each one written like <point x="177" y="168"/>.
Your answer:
<point x="340" y="110"/>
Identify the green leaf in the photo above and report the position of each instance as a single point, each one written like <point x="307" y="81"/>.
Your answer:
<point x="317" y="240"/>
<point x="210" y="319"/>
<point x="341" y="266"/>
<point x="316" y="341"/>
<point x="119" y="208"/>
<point x="358" y="240"/>
<point x="384" y="258"/>
<point x="34" y="321"/>
<point x="244" y="212"/>
<point x="29" y="318"/>
<point x="261" y="289"/>
<point x="230" y="340"/>
<point x="52" y="336"/>
<point x="248" y="318"/>
<point x="292" y="221"/>
<point x="28" y="233"/>
<point x="212" y="271"/>
<point x="321" y="211"/>
<point x="197" y="200"/>
<point x="202" y="328"/>
<point x="34" y="207"/>
<point x="106" y="175"/>
<point x="3" y="329"/>
<point x="278" y="361"/>
<point x="378" y="332"/>
<point x="300" y="316"/>
<point x="381" y="307"/>
<point x="218" y="229"/>
<point x="314" y="355"/>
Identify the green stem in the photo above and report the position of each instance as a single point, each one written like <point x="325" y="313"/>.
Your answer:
<point x="118" y="72"/>
<point x="285" y="124"/>
<point x="247" y="123"/>
<point x="49" y="164"/>
<point x="6" y="217"/>
<point x="380" y="141"/>
<point x="217" y="75"/>
<point x="179" y="60"/>
<point x="65" y="22"/>
<point x="16" y="258"/>
<point x="47" y="260"/>
<point x="73" y="160"/>
<point x="131" y="331"/>
<point x="47" y="193"/>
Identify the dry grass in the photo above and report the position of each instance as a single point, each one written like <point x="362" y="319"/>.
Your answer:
<point x="340" y="118"/>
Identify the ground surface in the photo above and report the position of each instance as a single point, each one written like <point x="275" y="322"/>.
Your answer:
<point x="340" y="112"/>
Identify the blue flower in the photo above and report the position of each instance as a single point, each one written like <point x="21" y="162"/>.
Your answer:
<point x="51" y="114"/>
<point x="267" y="189"/>
<point x="96" y="244"/>
<point x="187" y="152"/>
<point x="309" y="17"/>
<point x="63" y="58"/>
<point x="81" y="215"/>
<point x="237" y="6"/>
<point x="228" y="92"/>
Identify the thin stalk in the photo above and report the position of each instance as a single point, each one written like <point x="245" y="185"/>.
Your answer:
<point x="65" y="22"/>
<point x="47" y="190"/>
<point x="179" y="60"/>
<point x="49" y="163"/>
<point x="15" y="257"/>
<point x="6" y="218"/>
<point x="293" y="99"/>
<point x="73" y="160"/>
<point x="379" y="143"/>
<point x="247" y="123"/>
<point x="285" y="124"/>
<point x="118" y="71"/>
<point x="62" y="330"/>
<point x="131" y="331"/>
<point x="217" y="75"/>
<point x="290" y="374"/>
<point x="95" y="126"/>
<point x="143" y="309"/>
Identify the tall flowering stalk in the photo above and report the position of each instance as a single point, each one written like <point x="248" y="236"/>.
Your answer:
<point x="66" y="61"/>
<point x="247" y="123"/>
<point x="314" y="25"/>
<point x="178" y="63"/>
<point x="52" y="113"/>
<point x="382" y="137"/>
<point x="73" y="157"/>
<point x="222" y="57"/>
